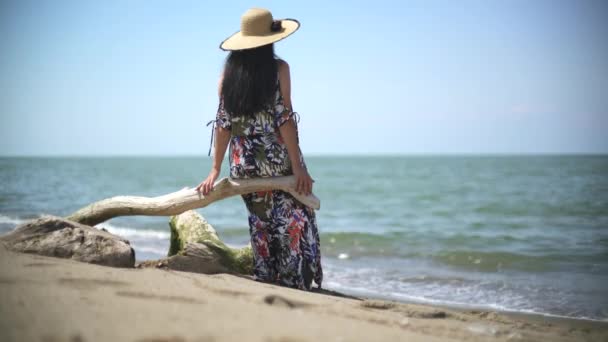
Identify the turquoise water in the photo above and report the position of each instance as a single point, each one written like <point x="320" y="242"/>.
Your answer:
<point x="517" y="233"/>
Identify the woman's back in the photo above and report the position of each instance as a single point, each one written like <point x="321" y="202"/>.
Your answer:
<point x="256" y="148"/>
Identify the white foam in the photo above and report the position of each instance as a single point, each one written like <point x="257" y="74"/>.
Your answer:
<point x="237" y="246"/>
<point x="343" y="256"/>
<point x="150" y="249"/>
<point x="364" y="291"/>
<point x="11" y="220"/>
<point x="128" y="232"/>
<point x="469" y="294"/>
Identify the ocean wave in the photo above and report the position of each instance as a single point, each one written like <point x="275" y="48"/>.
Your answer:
<point x="12" y="220"/>
<point x="409" y="298"/>
<point x="161" y="252"/>
<point x="122" y="231"/>
<point x="406" y="241"/>
<point x="129" y="232"/>
<point x="494" y="261"/>
<point x="419" y="284"/>
<point x="126" y="232"/>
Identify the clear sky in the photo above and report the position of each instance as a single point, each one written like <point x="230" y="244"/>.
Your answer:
<point x="368" y="77"/>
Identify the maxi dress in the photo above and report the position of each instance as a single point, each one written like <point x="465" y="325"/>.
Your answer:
<point x="283" y="231"/>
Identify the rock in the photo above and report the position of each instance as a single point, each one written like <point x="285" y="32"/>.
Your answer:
<point x="57" y="237"/>
<point x="196" y="247"/>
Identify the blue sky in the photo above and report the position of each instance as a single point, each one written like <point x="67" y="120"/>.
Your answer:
<point x="381" y="77"/>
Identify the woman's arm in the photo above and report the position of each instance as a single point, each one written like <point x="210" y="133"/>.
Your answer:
<point x="222" y="138"/>
<point x="290" y="136"/>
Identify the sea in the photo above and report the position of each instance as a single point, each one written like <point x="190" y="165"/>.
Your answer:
<point x="511" y="233"/>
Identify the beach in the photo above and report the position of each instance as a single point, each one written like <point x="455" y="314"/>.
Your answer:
<point x="477" y="210"/>
<point x="414" y="248"/>
<point x="507" y="233"/>
<point x="51" y="299"/>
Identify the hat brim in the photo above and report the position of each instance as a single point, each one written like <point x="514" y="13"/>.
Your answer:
<point x="240" y="42"/>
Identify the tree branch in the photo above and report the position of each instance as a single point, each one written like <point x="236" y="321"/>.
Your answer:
<point x="185" y="199"/>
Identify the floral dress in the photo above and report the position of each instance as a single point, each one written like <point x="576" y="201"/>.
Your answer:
<point x="283" y="231"/>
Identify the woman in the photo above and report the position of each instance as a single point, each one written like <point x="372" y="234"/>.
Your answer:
<point x="255" y="117"/>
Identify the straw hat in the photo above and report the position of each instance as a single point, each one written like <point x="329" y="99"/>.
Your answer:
<point x="257" y="29"/>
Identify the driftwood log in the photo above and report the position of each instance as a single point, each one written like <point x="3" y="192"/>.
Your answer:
<point x="185" y="199"/>
<point x="196" y="247"/>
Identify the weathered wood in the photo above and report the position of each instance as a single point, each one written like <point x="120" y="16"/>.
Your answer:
<point x="185" y="199"/>
<point x="196" y="247"/>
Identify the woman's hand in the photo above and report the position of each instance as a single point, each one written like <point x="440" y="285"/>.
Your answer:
<point x="303" y="181"/>
<point x="207" y="185"/>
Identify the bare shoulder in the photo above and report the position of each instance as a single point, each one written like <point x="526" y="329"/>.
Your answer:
<point x="282" y="63"/>
<point x="283" y="66"/>
<point x="220" y="83"/>
<point x="285" y="81"/>
<point x="284" y="77"/>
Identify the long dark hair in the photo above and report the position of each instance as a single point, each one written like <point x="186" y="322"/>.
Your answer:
<point x="250" y="78"/>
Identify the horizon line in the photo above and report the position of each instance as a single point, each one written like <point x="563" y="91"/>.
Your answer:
<point x="408" y="154"/>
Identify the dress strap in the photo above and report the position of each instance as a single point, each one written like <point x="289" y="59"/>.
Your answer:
<point x="212" y="132"/>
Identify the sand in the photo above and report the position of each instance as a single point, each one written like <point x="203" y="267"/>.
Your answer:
<point x="51" y="299"/>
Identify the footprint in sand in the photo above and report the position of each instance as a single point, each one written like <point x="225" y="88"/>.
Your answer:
<point x="275" y="300"/>
<point x="39" y="264"/>
<point x="90" y="284"/>
<point x="143" y="295"/>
